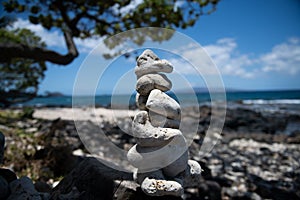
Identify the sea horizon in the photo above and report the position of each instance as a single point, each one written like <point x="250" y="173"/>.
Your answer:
<point x="270" y="97"/>
<point x="181" y="91"/>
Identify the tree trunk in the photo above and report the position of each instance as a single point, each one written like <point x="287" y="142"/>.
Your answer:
<point x="10" y="51"/>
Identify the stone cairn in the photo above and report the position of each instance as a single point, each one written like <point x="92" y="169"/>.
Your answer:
<point x="161" y="152"/>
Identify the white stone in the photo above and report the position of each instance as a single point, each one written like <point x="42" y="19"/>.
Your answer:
<point x="149" y="82"/>
<point x="144" y="85"/>
<point x="149" y="136"/>
<point x="158" y="120"/>
<point x="153" y="66"/>
<point x="191" y="176"/>
<point x="78" y="152"/>
<point x="146" y="56"/>
<point x="153" y="158"/>
<point x="194" y="167"/>
<point x="148" y="63"/>
<point x="161" y="103"/>
<point x="155" y="184"/>
<point x="156" y="187"/>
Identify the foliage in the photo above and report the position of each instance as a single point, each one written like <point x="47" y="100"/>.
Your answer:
<point x="88" y="18"/>
<point x="20" y="77"/>
<point x="27" y="113"/>
<point x="8" y="116"/>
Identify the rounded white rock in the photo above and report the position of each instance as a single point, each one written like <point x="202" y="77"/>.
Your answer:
<point x="153" y="158"/>
<point x="149" y="136"/>
<point x="149" y="82"/>
<point x="191" y="176"/>
<point x="148" y="63"/>
<point x="144" y="85"/>
<point x="194" y="167"/>
<point x="153" y="66"/>
<point x="158" y="120"/>
<point x="161" y="103"/>
<point x="146" y="56"/>
<point x="156" y="187"/>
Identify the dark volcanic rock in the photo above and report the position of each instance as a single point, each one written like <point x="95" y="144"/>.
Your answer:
<point x="6" y="177"/>
<point x="92" y="179"/>
<point x="4" y="188"/>
<point x="23" y="188"/>
<point x="210" y="190"/>
<point x="274" y="189"/>
<point x="2" y="143"/>
<point x="247" y="120"/>
<point x="244" y="120"/>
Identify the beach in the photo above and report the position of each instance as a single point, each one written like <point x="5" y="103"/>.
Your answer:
<point x="83" y="114"/>
<point x="256" y="155"/>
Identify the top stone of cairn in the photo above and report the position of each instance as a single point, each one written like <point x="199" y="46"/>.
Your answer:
<point x="149" y="63"/>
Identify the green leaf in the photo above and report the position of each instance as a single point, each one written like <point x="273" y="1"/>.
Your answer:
<point x="35" y="9"/>
<point x="20" y="78"/>
<point x="33" y="19"/>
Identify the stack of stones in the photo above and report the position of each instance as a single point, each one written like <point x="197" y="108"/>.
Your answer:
<point x="161" y="152"/>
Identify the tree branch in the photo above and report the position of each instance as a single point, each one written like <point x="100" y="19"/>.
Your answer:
<point x="9" y="51"/>
<point x="72" y="50"/>
<point x="98" y="20"/>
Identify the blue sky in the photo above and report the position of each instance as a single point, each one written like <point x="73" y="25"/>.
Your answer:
<point x="255" y="45"/>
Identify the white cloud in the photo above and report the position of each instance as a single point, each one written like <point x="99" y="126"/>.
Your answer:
<point x="284" y="58"/>
<point x="228" y="60"/>
<point x="88" y="44"/>
<point x="222" y="54"/>
<point x="53" y="38"/>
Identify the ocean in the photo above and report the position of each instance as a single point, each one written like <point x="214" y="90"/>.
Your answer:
<point x="271" y="100"/>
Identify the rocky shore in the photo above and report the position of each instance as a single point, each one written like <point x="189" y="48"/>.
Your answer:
<point x="256" y="157"/>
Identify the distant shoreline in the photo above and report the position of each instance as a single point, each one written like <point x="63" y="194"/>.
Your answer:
<point x="201" y="91"/>
<point x="108" y="101"/>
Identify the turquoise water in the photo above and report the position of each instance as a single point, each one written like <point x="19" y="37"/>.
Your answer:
<point x="249" y="97"/>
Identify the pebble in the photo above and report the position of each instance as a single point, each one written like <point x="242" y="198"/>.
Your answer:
<point x="162" y="104"/>
<point x="155" y="187"/>
<point x="158" y="120"/>
<point x="150" y="136"/>
<point x="148" y="63"/>
<point x="146" y="56"/>
<point x="149" y="82"/>
<point x="153" y="158"/>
